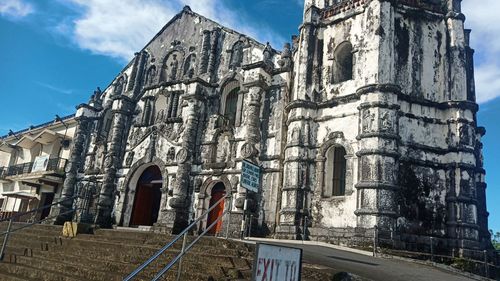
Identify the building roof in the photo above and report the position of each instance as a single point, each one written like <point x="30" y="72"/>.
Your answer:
<point x="31" y="128"/>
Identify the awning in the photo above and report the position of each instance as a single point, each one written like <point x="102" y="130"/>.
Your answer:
<point x="6" y="147"/>
<point x="44" y="137"/>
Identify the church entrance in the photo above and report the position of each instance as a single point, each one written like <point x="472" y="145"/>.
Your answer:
<point x="147" y="197"/>
<point x="218" y="191"/>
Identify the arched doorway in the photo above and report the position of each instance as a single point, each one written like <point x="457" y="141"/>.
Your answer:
<point x="218" y="191"/>
<point x="147" y="197"/>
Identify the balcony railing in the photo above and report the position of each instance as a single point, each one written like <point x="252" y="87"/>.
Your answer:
<point x="53" y="165"/>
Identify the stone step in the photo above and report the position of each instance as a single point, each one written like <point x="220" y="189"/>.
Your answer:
<point x="13" y="277"/>
<point x="33" y="228"/>
<point x="112" y="254"/>
<point x="96" y="270"/>
<point x="83" y="245"/>
<point x="223" y="263"/>
<point x="33" y="273"/>
<point x="78" y="270"/>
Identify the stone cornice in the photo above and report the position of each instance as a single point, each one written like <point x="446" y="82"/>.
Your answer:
<point x="376" y="185"/>
<point x="381" y="152"/>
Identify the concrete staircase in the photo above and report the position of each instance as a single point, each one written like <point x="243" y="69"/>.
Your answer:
<point x="40" y="253"/>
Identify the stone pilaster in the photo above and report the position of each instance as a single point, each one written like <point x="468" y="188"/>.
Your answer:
<point x="457" y="52"/>
<point x="122" y="110"/>
<point x="214" y="54"/>
<point x="178" y="218"/>
<point x="378" y="156"/>
<point x="82" y="133"/>
<point x="256" y="85"/>
<point x="482" y="212"/>
<point x="296" y="188"/>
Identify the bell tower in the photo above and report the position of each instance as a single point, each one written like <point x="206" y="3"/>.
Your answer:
<point x="390" y="82"/>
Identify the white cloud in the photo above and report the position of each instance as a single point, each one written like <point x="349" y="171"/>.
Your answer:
<point x="15" y="8"/>
<point x="119" y="29"/>
<point x="487" y="82"/>
<point x="55" y="88"/>
<point x="485" y="38"/>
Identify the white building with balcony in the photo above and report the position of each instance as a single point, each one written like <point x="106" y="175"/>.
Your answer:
<point x="32" y="165"/>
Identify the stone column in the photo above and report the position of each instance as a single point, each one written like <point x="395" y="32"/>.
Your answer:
<point x="482" y="212"/>
<point x="466" y="177"/>
<point x="123" y="108"/>
<point x="178" y="217"/>
<point x="214" y="54"/>
<point x="76" y="160"/>
<point x="457" y="52"/>
<point x="378" y="156"/>
<point x="296" y="187"/>
<point x="255" y="83"/>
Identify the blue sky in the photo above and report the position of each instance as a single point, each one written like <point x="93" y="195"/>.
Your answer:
<point x="54" y="53"/>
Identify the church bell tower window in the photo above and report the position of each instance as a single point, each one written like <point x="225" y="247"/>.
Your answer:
<point x="343" y="63"/>
<point x="231" y="107"/>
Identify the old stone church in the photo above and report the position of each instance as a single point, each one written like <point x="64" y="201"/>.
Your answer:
<point x="368" y="118"/>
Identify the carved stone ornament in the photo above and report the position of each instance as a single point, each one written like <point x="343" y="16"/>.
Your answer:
<point x="171" y="155"/>
<point x="182" y="155"/>
<point x="234" y="182"/>
<point x="130" y="158"/>
<point x="386" y="123"/>
<point x="108" y="162"/>
<point x="335" y="135"/>
<point x="367" y="122"/>
<point x="464" y="134"/>
<point x="68" y="167"/>
<point x="247" y="150"/>
<point x="197" y="184"/>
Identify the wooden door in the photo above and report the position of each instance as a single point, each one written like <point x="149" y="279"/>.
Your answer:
<point x="141" y="214"/>
<point x="216" y="212"/>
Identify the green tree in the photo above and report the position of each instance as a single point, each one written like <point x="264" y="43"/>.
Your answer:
<point x="495" y="239"/>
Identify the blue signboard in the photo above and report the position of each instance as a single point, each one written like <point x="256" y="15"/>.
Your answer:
<point x="250" y="176"/>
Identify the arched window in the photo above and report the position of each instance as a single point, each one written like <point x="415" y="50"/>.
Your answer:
<point x="151" y="76"/>
<point x="231" y="107"/>
<point x="335" y="172"/>
<point x="105" y="124"/>
<point x="231" y="103"/>
<point x="343" y="63"/>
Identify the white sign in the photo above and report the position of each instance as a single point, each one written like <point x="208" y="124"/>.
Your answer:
<point x="40" y="163"/>
<point x="250" y="176"/>
<point x="277" y="263"/>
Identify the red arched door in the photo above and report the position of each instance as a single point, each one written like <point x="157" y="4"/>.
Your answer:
<point x="147" y="197"/>
<point x="218" y="191"/>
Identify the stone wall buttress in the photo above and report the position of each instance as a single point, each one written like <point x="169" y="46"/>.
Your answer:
<point x="123" y="109"/>
<point x="72" y="168"/>
<point x="378" y="164"/>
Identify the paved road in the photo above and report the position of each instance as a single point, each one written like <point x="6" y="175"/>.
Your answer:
<point x="376" y="269"/>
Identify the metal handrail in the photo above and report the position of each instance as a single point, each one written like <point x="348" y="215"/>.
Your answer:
<point x="7" y="233"/>
<point x="184" y="248"/>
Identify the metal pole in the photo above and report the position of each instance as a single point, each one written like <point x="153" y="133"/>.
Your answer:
<point x="243" y="222"/>
<point x="228" y="223"/>
<point x="392" y="238"/>
<point x="250" y="226"/>
<point x="179" y="269"/>
<point x="5" y="238"/>
<point x="432" y="249"/>
<point x="486" y="266"/>
<point x="375" y="241"/>
<point x="304" y="229"/>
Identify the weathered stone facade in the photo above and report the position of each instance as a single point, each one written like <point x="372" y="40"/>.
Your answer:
<point x="367" y="119"/>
